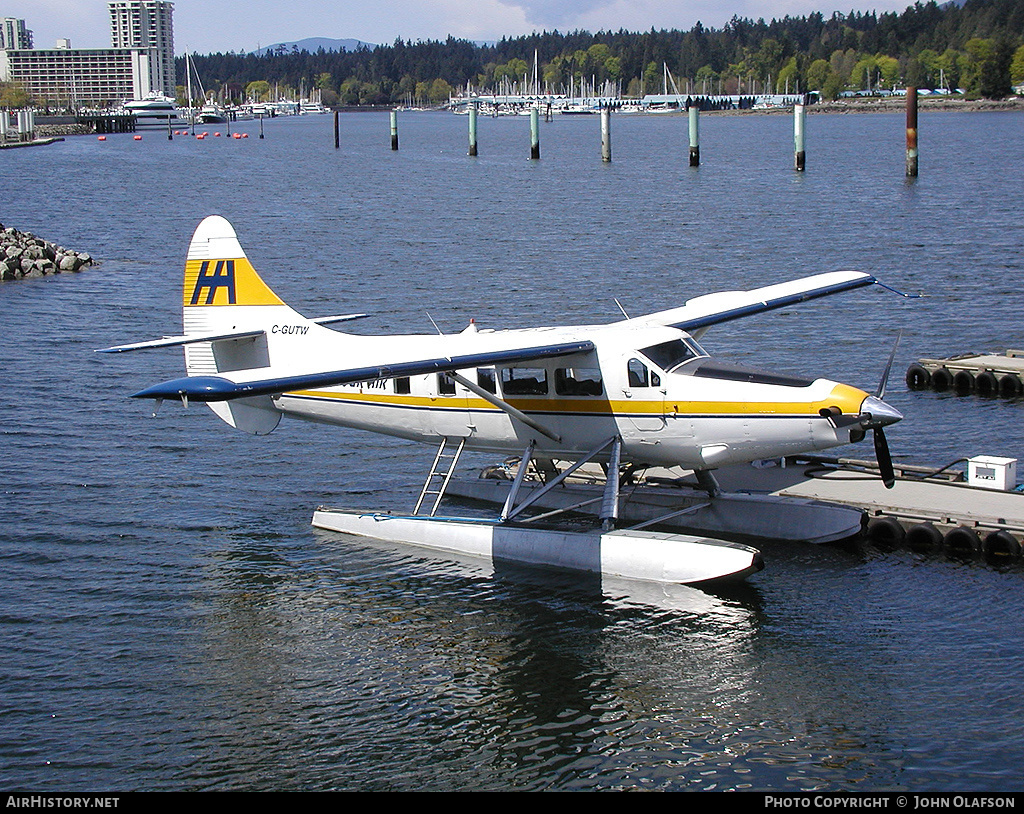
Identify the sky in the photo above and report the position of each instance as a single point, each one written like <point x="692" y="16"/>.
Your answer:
<point x="209" y="26"/>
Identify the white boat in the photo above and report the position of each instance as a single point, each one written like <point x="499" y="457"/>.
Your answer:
<point x="212" y="114"/>
<point x="156" y="110"/>
<point x="307" y="107"/>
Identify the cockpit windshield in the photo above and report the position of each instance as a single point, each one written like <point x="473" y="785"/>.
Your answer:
<point x="670" y="355"/>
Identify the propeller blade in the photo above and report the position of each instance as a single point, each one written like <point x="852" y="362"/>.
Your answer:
<point x="880" y="393"/>
<point x="884" y="459"/>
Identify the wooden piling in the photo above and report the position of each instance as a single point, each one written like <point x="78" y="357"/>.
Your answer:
<point x="535" y="133"/>
<point x="694" y="113"/>
<point x="606" y="133"/>
<point x="337" y="130"/>
<point x="799" y="119"/>
<point x="472" y="127"/>
<point x="335" y="127"/>
<point x="911" y="132"/>
<point x="394" y="129"/>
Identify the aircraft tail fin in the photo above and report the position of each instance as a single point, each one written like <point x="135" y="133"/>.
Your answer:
<point x="223" y="294"/>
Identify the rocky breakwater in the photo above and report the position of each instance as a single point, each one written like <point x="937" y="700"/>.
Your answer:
<point x="22" y="254"/>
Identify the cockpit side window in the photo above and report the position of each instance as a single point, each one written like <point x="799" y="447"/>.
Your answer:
<point x="638" y="374"/>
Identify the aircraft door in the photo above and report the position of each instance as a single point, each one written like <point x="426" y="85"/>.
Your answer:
<point x="644" y="396"/>
<point x="449" y="407"/>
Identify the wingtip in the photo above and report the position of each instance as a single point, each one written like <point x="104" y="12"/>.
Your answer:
<point x="196" y="388"/>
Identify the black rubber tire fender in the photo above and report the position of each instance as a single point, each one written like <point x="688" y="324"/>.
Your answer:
<point x="942" y="379"/>
<point x="886" y="531"/>
<point x="986" y="384"/>
<point x="923" y="537"/>
<point x="962" y="541"/>
<point x="963" y="382"/>
<point x="1001" y="547"/>
<point x="918" y="377"/>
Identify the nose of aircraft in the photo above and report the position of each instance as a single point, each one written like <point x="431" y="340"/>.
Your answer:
<point x="876" y="413"/>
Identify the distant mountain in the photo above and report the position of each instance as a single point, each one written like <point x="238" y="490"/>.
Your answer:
<point x="313" y="44"/>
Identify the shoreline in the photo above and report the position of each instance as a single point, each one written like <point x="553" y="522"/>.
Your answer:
<point x="896" y="104"/>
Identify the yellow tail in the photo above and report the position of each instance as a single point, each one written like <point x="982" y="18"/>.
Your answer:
<point x="217" y="272"/>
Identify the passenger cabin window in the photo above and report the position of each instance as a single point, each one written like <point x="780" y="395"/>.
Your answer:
<point x="578" y="381"/>
<point x="524" y="381"/>
<point x="487" y="379"/>
<point x="670" y="355"/>
<point x="403" y="385"/>
<point x="640" y="376"/>
<point x="445" y="385"/>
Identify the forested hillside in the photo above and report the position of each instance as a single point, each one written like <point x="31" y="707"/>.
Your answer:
<point x="978" y="47"/>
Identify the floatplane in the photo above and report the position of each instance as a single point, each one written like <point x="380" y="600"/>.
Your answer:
<point x="637" y="392"/>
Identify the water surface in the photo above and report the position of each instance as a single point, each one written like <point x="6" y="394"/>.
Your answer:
<point x="171" y="621"/>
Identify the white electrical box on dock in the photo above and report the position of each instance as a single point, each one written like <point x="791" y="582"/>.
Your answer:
<point x="990" y="472"/>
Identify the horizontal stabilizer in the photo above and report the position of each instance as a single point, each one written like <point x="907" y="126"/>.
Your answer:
<point x="174" y="341"/>
<point x="222" y="388"/>
<point x="339" y="318"/>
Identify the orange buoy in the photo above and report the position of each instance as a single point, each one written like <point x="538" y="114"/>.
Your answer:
<point x="101" y="138"/>
<point x="138" y="138"/>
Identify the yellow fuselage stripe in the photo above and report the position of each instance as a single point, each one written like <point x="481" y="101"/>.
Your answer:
<point x="848" y="400"/>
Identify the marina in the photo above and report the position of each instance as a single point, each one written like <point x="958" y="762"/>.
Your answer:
<point x="173" y="621"/>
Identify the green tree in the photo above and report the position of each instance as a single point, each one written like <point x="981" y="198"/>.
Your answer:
<point x="1017" y="66"/>
<point x="440" y="91"/>
<point x="13" y="95"/>
<point x="788" y="78"/>
<point x="818" y="73"/>
<point x="257" y="90"/>
<point x="834" y="85"/>
<point x="991" y="59"/>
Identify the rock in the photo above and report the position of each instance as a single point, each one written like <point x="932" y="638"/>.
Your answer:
<point x="22" y="254"/>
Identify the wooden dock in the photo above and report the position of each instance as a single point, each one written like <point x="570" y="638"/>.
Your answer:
<point x="984" y="374"/>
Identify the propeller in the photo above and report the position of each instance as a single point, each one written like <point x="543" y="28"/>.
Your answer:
<point x="876" y="414"/>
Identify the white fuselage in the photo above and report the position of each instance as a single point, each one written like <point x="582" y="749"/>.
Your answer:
<point x="672" y="413"/>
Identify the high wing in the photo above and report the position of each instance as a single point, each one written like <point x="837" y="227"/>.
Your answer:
<point x="700" y="313"/>
<point x="248" y="383"/>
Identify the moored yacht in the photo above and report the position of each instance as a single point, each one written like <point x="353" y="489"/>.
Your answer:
<point x="156" y="110"/>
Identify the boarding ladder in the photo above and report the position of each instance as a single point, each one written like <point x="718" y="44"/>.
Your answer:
<point x="440" y="473"/>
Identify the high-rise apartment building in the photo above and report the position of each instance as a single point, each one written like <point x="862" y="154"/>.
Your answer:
<point x="13" y="33"/>
<point x="139" y="62"/>
<point x="146" y="24"/>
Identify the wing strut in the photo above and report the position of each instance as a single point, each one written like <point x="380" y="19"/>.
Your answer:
<point x="609" y="508"/>
<point x="488" y="396"/>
